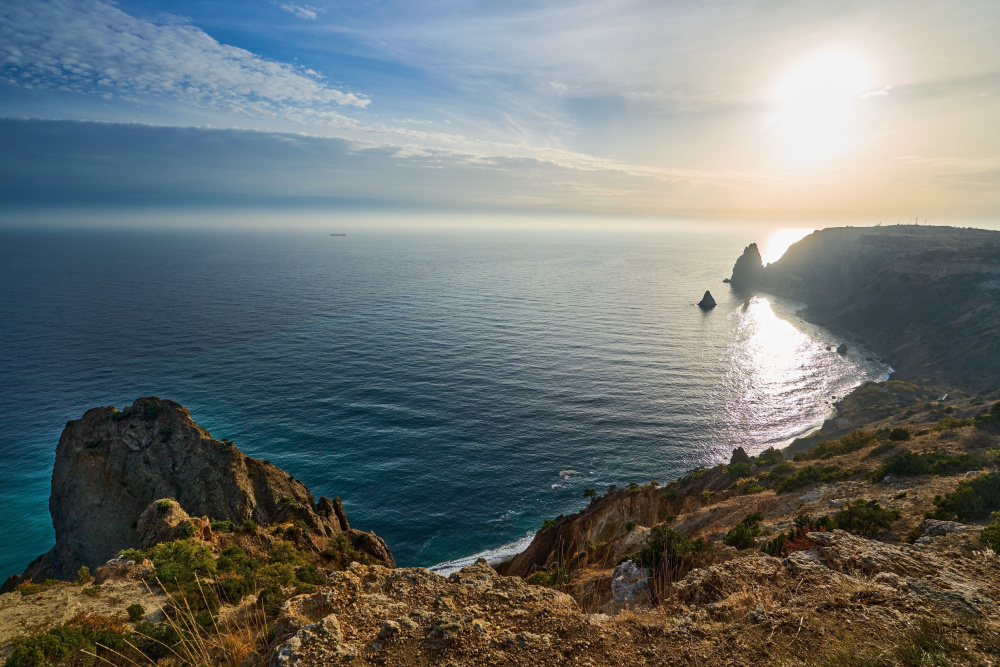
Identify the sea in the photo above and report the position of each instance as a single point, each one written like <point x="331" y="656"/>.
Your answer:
<point x="455" y="386"/>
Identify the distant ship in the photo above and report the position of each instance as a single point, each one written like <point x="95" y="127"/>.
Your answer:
<point x="338" y="234"/>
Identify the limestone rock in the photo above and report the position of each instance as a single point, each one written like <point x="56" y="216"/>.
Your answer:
<point x="748" y="270"/>
<point x="111" y="465"/>
<point x="739" y="456"/>
<point x="630" y="585"/>
<point x="707" y="302"/>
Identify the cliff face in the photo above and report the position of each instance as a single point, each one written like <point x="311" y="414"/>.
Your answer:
<point x="926" y="298"/>
<point x="110" y="465"/>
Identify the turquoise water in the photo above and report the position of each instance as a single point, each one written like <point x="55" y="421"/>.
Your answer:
<point x="455" y="389"/>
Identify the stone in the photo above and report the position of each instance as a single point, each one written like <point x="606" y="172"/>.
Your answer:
<point x="630" y="585"/>
<point x="707" y="302"/>
<point x="842" y="348"/>
<point x="112" y="467"/>
<point x="739" y="456"/>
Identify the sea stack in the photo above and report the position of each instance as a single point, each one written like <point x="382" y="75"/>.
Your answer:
<point x="707" y="302"/>
<point x="748" y="270"/>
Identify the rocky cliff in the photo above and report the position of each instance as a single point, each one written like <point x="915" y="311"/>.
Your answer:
<point x="111" y="465"/>
<point x="925" y="298"/>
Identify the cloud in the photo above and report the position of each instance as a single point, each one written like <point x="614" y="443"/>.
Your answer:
<point x="307" y="12"/>
<point x="89" y="46"/>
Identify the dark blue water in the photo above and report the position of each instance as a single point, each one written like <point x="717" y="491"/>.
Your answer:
<point x="454" y="389"/>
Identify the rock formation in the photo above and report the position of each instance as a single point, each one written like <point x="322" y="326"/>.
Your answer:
<point x="707" y="302"/>
<point x="925" y="298"/>
<point x="111" y="465"/>
<point x="748" y="270"/>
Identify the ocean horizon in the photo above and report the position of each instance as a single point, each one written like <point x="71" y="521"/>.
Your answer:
<point x="454" y="387"/>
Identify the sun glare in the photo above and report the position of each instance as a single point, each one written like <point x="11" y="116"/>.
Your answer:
<point x="816" y="103"/>
<point x="780" y="240"/>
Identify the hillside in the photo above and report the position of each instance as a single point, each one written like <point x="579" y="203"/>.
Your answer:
<point x="927" y="299"/>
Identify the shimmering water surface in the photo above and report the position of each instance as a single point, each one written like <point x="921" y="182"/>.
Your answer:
<point x="455" y="389"/>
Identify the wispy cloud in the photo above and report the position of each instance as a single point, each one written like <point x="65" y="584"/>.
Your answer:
<point x="307" y="12"/>
<point x="89" y="46"/>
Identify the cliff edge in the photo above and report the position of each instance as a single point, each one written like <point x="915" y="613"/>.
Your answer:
<point x="926" y="298"/>
<point x="111" y="465"/>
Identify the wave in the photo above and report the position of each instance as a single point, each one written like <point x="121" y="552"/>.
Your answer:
<point x="494" y="556"/>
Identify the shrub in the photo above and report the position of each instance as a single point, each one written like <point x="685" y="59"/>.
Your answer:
<point x="630" y="526"/>
<point x="991" y="533"/>
<point x="165" y="433"/>
<point x="899" y="433"/>
<point x="908" y="464"/>
<point x="865" y="517"/>
<point x="742" y="534"/>
<point x="548" y="523"/>
<point x="611" y="489"/>
<point x="738" y="470"/>
<point x="974" y="498"/>
<point x="853" y="441"/>
<point x="135" y="612"/>
<point x="249" y="525"/>
<point x="768" y="457"/>
<point x="590" y="493"/>
<point x="83" y="632"/>
<point x="989" y="419"/>
<point x="83" y="575"/>
<point x="222" y="525"/>
<point x="748" y="486"/>
<point x="163" y="506"/>
<point x="811" y="475"/>
<point x="795" y="539"/>
<point x="948" y="423"/>
<point x="669" y="553"/>
<point x="553" y="577"/>
<point x="185" y="529"/>
<point x="181" y="561"/>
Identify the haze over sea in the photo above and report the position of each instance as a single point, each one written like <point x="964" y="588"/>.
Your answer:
<point x="454" y="387"/>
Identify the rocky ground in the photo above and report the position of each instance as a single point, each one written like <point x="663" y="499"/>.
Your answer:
<point x="901" y="589"/>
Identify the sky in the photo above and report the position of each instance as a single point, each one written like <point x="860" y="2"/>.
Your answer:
<point x="768" y="109"/>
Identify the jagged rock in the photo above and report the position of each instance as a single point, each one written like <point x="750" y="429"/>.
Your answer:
<point x="111" y="465"/>
<point x="936" y="528"/>
<point x="739" y="456"/>
<point x="630" y="585"/>
<point x="400" y="613"/>
<point x="707" y="302"/>
<point x="748" y="270"/>
<point x="165" y="520"/>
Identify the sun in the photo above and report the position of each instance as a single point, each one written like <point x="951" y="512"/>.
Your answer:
<point x="816" y="101"/>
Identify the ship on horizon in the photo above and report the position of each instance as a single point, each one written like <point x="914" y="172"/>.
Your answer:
<point x="338" y="234"/>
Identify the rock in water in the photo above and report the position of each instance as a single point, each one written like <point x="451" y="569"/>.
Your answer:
<point x="110" y="465"/>
<point x="707" y="302"/>
<point x="842" y="348"/>
<point x="748" y="270"/>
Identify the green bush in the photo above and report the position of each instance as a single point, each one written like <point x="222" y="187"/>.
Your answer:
<point x="769" y="457"/>
<point x="899" y="433"/>
<point x="222" y="525"/>
<point x="865" y="517"/>
<point x="909" y="464"/>
<point x="853" y="441"/>
<point x="812" y="475"/>
<point x="742" y="534"/>
<point x="548" y="523"/>
<point x="975" y="498"/>
<point x="669" y="553"/>
<point x="249" y="525"/>
<point x="553" y="577"/>
<point x="988" y="419"/>
<point x="739" y="470"/>
<point x="50" y="647"/>
<point x="135" y="612"/>
<point x="795" y="539"/>
<point x="948" y="423"/>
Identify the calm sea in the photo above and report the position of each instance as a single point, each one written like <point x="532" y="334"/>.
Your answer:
<point x="454" y="388"/>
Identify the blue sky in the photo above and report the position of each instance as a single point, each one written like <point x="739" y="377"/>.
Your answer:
<point x="787" y="109"/>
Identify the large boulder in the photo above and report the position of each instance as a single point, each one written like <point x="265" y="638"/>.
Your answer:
<point x="111" y="465"/>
